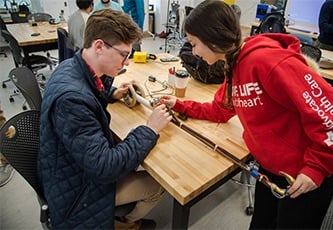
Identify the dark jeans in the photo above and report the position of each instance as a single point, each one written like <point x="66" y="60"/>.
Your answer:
<point x="304" y="212"/>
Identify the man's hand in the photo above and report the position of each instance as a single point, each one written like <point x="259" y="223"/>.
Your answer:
<point x="121" y="90"/>
<point x="159" y="118"/>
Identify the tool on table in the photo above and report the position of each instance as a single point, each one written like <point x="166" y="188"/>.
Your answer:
<point x="143" y="57"/>
<point x="169" y="59"/>
<point x="251" y="168"/>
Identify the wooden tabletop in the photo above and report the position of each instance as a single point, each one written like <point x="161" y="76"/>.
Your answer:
<point x="327" y="73"/>
<point x="181" y="164"/>
<point x="23" y="31"/>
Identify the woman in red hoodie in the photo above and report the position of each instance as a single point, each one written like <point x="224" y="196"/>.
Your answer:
<point x="285" y="107"/>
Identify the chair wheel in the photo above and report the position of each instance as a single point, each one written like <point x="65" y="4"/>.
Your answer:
<point x="24" y="107"/>
<point x="11" y="99"/>
<point x="4" y="85"/>
<point x="249" y="211"/>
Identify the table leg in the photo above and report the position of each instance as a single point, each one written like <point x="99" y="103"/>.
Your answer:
<point x="253" y="30"/>
<point x="26" y="57"/>
<point x="180" y="215"/>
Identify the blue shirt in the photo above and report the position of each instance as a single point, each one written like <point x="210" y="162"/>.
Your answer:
<point x="113" y="6"/>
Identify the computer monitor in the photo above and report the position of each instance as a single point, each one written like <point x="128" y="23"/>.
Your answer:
<point x="304" y="14"/>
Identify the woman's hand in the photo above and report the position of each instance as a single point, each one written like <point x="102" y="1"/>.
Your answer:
<point x="168" y="100"/>
<point x="302" y="184"/>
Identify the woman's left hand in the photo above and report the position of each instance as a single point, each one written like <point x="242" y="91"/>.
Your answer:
<point x="302" y="184"/>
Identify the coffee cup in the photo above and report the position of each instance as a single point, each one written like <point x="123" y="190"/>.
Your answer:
<point x="171" y="80"/>
<point x="181" y="80"/>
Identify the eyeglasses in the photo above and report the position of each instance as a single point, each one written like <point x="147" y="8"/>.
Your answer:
<point x="123" y="53"/>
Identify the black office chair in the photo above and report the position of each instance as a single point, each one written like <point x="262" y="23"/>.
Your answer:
<point x="40" y="17"/>
<point x="311" y="51"/>
<point x="26" y="82"/>
<point x="34" y="62"/>
<point x="19" y="143"/>
<point x="273" y="22"/>
<point x="65" y="48"/>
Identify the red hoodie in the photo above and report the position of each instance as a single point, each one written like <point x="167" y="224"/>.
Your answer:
<point x="285" y="107"/>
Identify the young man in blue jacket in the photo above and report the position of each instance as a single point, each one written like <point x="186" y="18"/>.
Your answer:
<point x="83" y="172"/>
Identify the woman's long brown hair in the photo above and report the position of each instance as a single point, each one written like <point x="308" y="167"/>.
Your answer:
<point x="216" y="24"/>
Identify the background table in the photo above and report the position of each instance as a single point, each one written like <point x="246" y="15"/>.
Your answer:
<point x="47" y="40"/>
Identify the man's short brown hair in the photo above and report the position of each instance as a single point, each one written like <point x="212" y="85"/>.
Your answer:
<point x="112" y="26"/>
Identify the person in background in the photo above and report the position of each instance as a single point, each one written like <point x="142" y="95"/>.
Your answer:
<point x="284" y="106"/>
<point x="6" y="170"/>
<point x="77" y="22"/>
<point x="325" y="38"/>
<point x="83" y="171"/>
<point x="104" y="4"/>
<point x="135" y="8"/>
<point x="237" y="10"/>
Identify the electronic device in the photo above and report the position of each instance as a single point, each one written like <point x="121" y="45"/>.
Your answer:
<point x="140" y="57"/>
<point x="262" y="10"/>
<point x="170" y="59"/>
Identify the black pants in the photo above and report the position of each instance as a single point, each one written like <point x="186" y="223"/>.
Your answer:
<point x="304" y="212"/>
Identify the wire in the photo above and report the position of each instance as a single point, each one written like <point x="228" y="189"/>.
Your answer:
<point x="165" y="86"/>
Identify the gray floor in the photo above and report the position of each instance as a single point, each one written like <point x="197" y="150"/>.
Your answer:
<point x="223" y="209"/>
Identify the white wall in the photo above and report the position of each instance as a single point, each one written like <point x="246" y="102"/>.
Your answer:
<point x="54" y="7"/>
<point x="161" y="8"/>
<point x="249" y="8"/>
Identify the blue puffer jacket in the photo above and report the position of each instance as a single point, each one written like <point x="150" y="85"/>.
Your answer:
<point x="79" y="163"/>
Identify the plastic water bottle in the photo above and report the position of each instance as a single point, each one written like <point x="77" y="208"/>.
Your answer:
<point x="61" y="16"/>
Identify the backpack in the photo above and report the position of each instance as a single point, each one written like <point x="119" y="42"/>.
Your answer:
<point x="272" y="23"/>
<point x="198" y="68"/>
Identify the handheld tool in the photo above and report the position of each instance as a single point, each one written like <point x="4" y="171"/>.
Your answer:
<point x="250" y="168"/>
